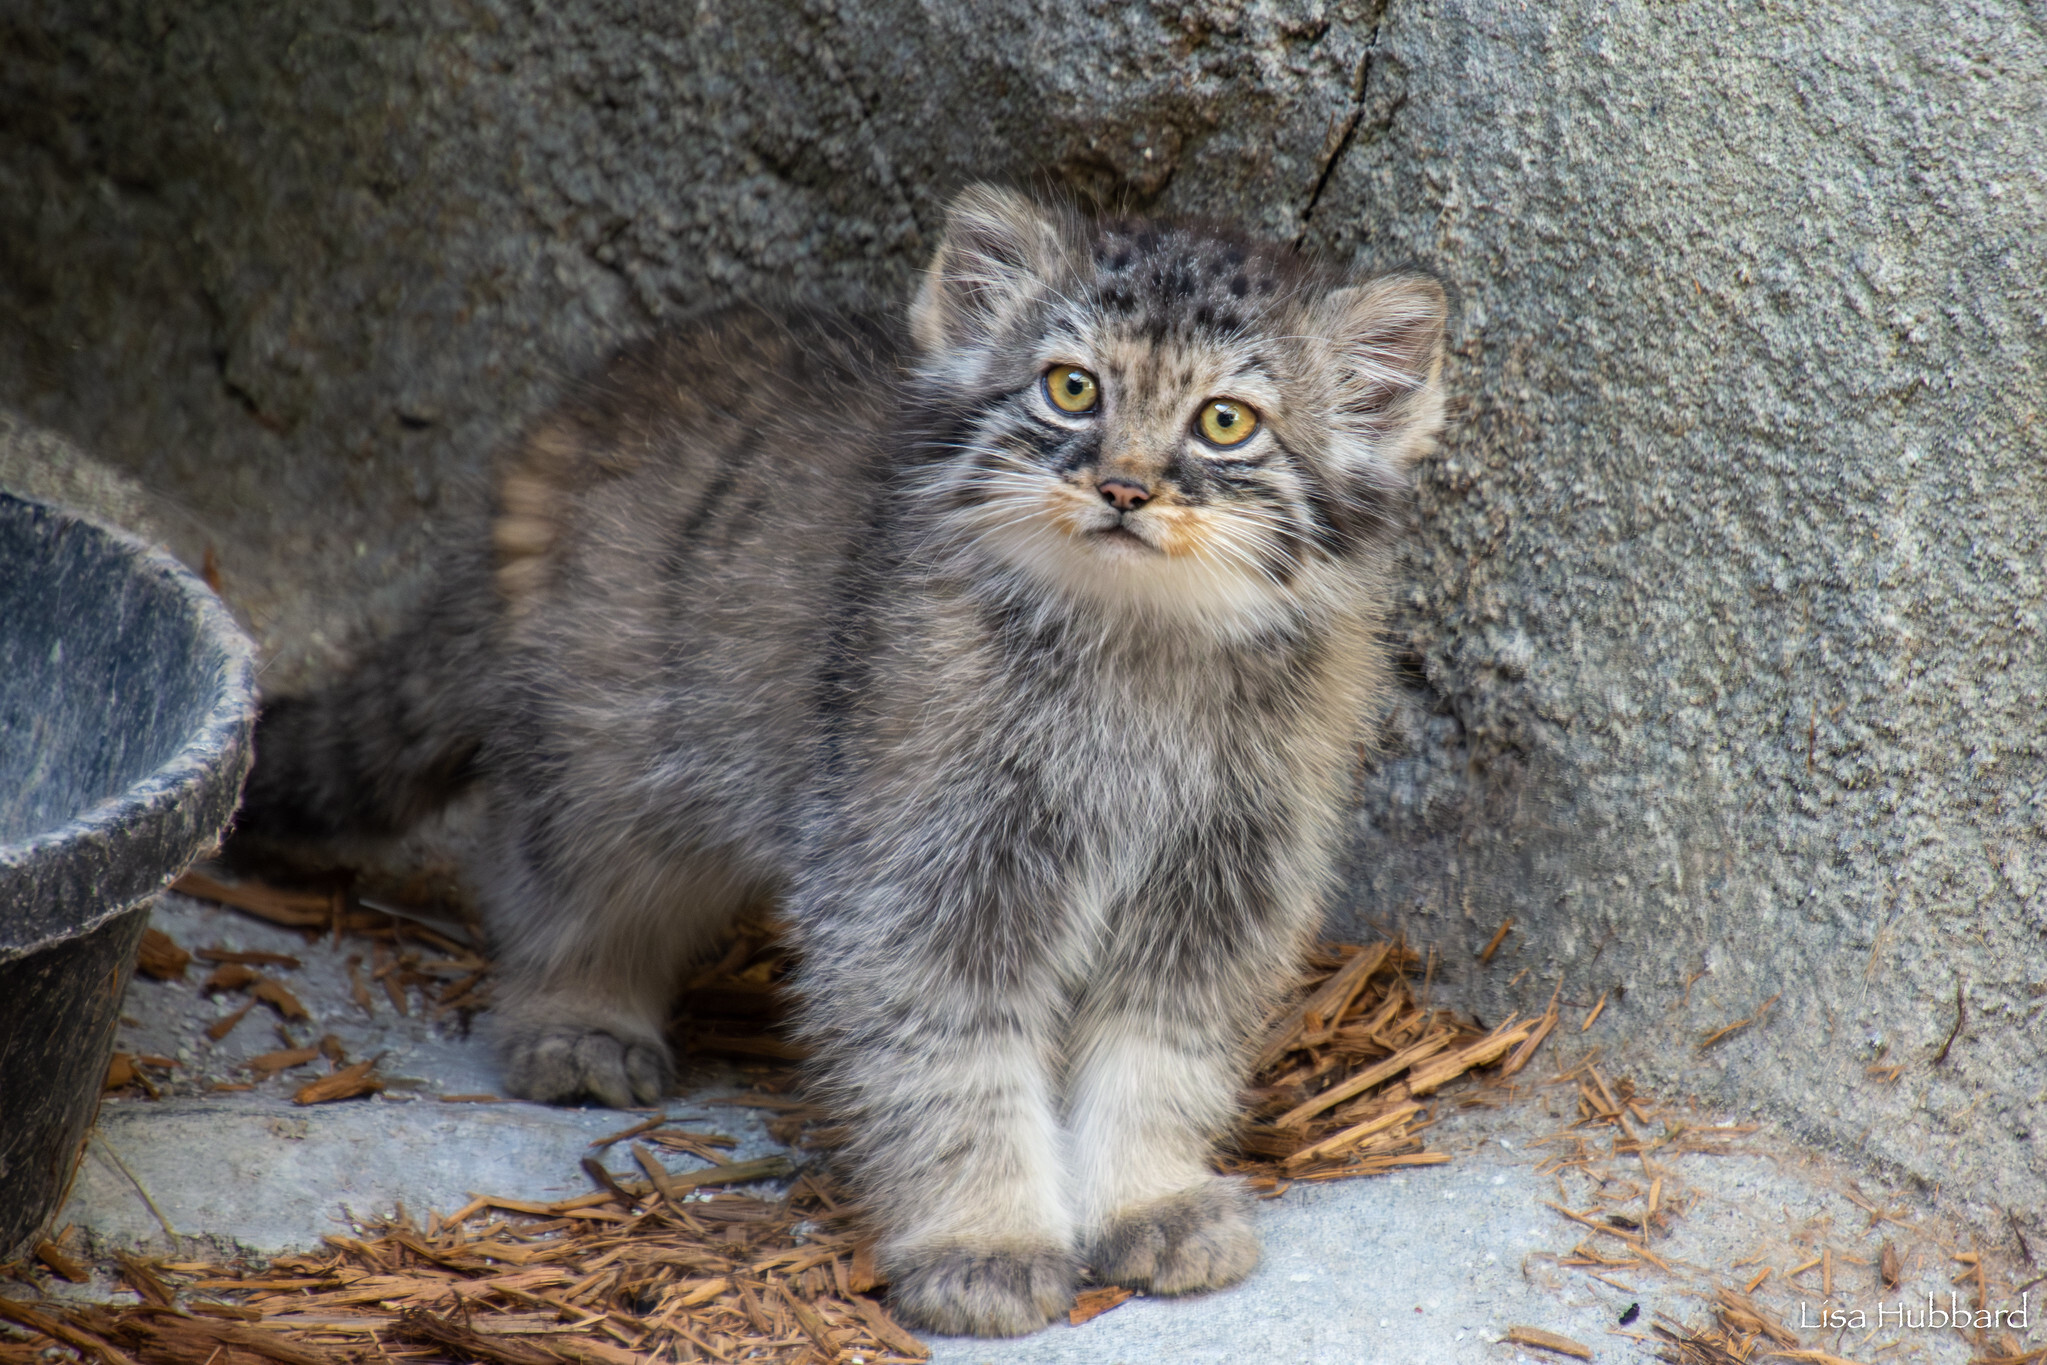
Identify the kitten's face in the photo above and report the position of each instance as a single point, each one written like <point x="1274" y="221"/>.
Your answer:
<point x="1169" y="422"/>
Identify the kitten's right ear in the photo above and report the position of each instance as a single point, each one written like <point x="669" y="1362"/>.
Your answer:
<point x="999" y="251"/>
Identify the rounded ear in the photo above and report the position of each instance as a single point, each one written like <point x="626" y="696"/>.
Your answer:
<point x="1385" y="340"/>
<point x="998" y="252"/>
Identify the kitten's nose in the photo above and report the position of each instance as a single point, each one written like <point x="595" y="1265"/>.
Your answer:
<point x="1123" y="494"/>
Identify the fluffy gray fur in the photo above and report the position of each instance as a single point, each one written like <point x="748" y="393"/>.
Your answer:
<point x="1047" y="785"/>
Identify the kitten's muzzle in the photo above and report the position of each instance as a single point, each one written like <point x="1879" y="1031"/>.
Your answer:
<point x="1125" y="495"/>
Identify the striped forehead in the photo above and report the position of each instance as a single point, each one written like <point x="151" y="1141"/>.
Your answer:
<point x="1145" y="375"/>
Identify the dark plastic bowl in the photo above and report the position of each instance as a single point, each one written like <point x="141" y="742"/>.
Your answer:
<point x="125" y="709"/>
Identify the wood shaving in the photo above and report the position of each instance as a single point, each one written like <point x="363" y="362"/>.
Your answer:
<point x="61" y="1264"/>
<point x="270" y="1063"/>
<point x="1092" y="1303"/>
<point x="223" y="1026"/>
<point x="349" y="1083"/>
<point x="1547" y="1341"/>
<point x="1726" y="1030"/>
<point x="278" y="998"/>
<point x="160" y="957"/>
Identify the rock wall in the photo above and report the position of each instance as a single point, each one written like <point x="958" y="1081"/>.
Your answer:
<point x="1723" y="637"/>
<point x="1728" y="604"/>
<point x="302" y="267"/>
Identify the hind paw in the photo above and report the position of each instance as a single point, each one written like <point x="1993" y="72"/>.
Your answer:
<point x="561" y="1062"/>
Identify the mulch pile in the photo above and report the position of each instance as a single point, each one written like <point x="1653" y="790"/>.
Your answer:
<point x="688" y="1265"/>
<point x="1343" y="1080"/>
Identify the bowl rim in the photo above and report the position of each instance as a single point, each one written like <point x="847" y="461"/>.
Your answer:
<point x="65" y="882"/>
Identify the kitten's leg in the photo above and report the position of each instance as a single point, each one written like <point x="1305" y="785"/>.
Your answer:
<point x="1159" y="1047"/>
<point x="939" y="1055"/>
<point x="590" y="952"/>
<point x="1151" y="1094"/>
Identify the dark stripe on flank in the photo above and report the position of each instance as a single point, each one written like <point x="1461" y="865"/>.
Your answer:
<point x="719" y="488"/>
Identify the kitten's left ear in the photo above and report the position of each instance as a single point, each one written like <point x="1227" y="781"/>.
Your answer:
<point x="999" y="251"/>
<point x="1385" y="340"/>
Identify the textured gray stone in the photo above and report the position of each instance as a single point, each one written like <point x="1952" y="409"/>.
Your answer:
<point x="1726" y="606"/>
<point x="250" y="1169"/>
<point x="1730" y="594"/>
<point x="303" y="267"/>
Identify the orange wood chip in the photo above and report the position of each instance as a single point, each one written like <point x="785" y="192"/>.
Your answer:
<point x="295" y="909"/>
<point x="1543" y="1027"/>
<point x="270" y="1063"/>
<point x="161" y="957"/>
<point x="1597" y="1010"/>
<point x="1090" y="1304"/>
<point x="230" y="976"/>
<point x="1325" y="1006"/>
<point x="1547" y="1341"/>
<point x="351" y="1082"/>
<point x="52" y="1255"/>
<point x="223" y="1026"/>
<point x="55" y="1330"/>
<point x="142" y="1278"/>
<point x="888" y="1331"/>
<point x="357" y="990"/>
<point x="807" y="1319"/>
<point x="863" y="1277"/>
<point x="1488" y="1049"/>
<point x="1738" y="1025"/>
<point x="1352" y="1137"/>
<point x="1364" y="1080"/>
<point x="280" y="999"/>
<point x="1499" y="937"/>
<point x="1740" y="1313"/>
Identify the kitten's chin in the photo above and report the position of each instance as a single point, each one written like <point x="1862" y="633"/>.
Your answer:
<point x="1126" y="576"/>
<point x="1118" y="541"/>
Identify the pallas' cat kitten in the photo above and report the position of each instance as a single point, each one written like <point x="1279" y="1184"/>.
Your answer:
<point x="1022" y="657"/>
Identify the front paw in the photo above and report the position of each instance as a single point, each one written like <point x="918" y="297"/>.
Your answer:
<point x="561" y="1062"/>
<point x="1202" y="1239"/>
<point x="960" y="1291"/>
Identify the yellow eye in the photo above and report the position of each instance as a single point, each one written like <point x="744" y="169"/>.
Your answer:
<point x="1228" y="423"/>
<point x="1071" y="389"/>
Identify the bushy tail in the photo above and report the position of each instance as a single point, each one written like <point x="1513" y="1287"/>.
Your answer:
<point x="392" y="741"/>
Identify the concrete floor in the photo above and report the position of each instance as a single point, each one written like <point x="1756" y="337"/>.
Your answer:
<point x="1431" y="1265"/>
